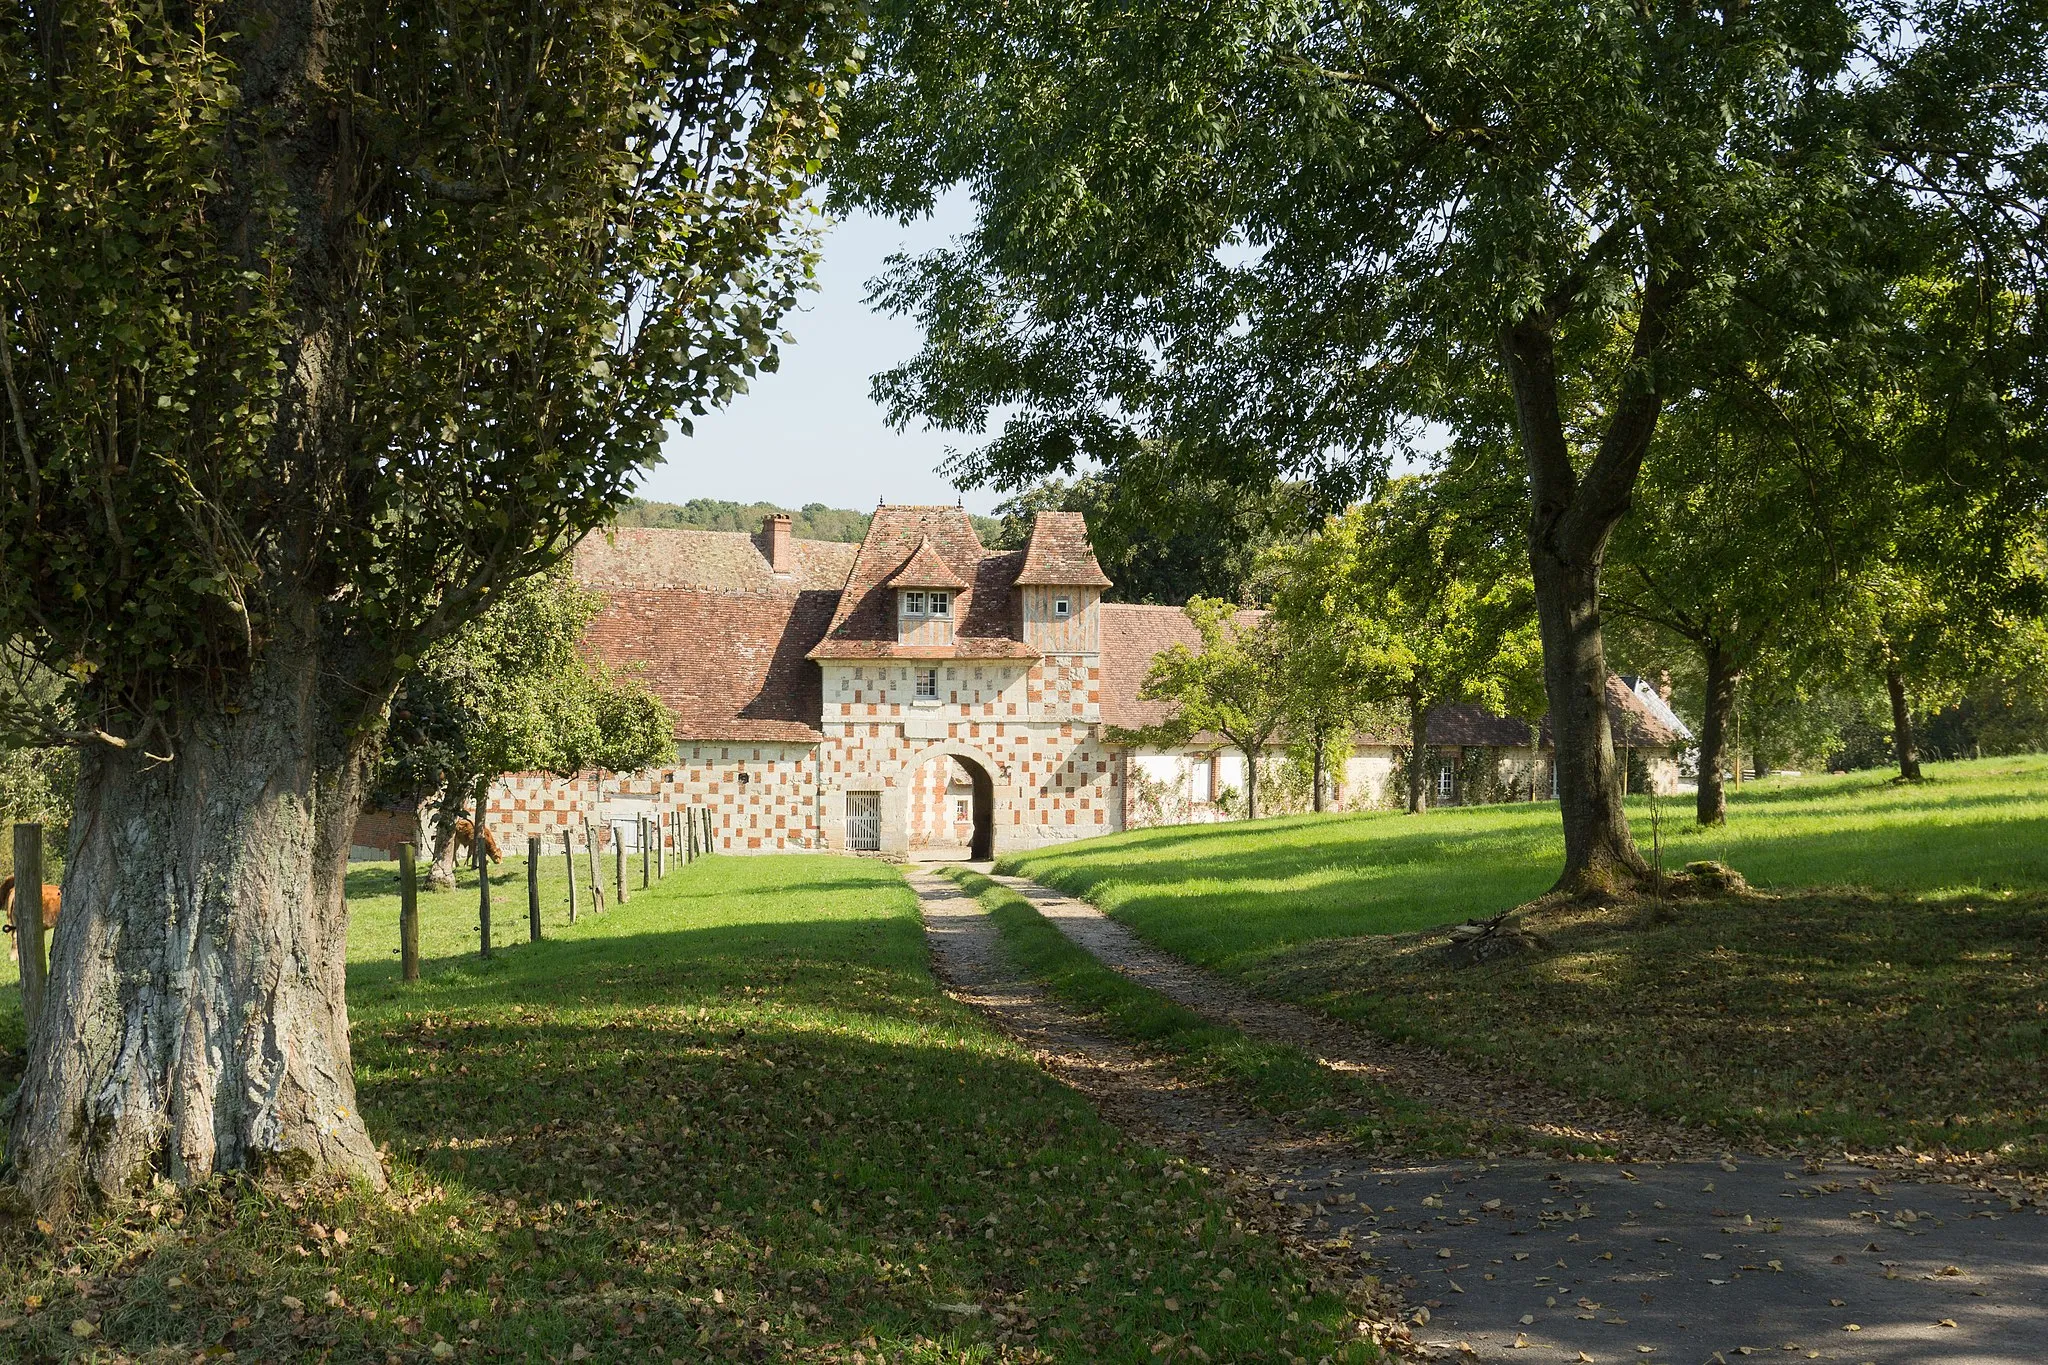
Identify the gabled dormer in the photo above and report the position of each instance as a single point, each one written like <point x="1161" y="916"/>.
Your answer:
<point x="925" y="589"/>
<point x="1060" y="587"/>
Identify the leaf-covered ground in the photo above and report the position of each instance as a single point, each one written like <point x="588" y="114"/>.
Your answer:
<point x="733" y="1120"/>
<point x="1913" y="1010"/>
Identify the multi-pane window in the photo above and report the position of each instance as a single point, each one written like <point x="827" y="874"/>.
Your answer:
<point x="941" y="603"/>
<point x="913" y="604"/>
<point x="1446" y="781"/>
<point x="927" y="684"/>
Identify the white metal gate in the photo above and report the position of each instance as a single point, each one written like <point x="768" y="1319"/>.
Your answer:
<point x="864" y="822"/>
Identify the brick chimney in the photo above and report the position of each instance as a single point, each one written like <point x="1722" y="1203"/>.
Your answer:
<point x="1664" y="685"/>
<point x="776" y="531"/>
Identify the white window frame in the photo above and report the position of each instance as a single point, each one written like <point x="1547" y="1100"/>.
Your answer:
<point x="913" y="603"/>
<point x="940" y="604"/>
<point x="927" y="675"/>
<point x="1446" y="781"/>
<point x="961" y="814"/>
<point x="1062" y="607"/>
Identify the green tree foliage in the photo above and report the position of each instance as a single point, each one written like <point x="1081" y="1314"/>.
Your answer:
<point x="512" y="691"/>
<point x="1235" y="686"/>
<point x="1274" y="237"/>
<point x="1161" y="541"/>
<point x="320" y="326"/>
<point x="1412" y="598"/>
<point x="812" y="521"/>
<point x="1724" y="558"/>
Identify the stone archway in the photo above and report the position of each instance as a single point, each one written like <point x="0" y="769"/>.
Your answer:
<point x="927" y="816"/>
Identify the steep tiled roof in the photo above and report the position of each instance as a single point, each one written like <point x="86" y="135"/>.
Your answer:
<point x="1131" y="635"/>
<point x="1059" y="555"/>
<point x="730" y="665"/>
<point x="1461" y="723"/>
<point x="1632" y="722"/>
<point x="925" y="569"/>
<point x="725" y="561"/>
<point x="984" y="618"/>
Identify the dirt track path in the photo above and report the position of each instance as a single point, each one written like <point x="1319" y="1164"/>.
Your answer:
<point x="1685" y="1258"/>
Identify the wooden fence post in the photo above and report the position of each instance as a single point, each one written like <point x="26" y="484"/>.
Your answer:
<point x="590" y="856"/>
<point x="710" y="836"/>
<point x="408" y="913"/>
<point x="483" y="902"/>
<point x="660" y="826"/>
<point x="569" y="857"/>
<point x="533" y="888"/>
<point x="28" y="921"/>
<point x="619" y="866"/>
<point x="646" y="827"/>
<point x="690" y="823"/>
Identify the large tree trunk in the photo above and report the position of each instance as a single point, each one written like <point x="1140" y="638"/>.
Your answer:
<point x="1904" y="748"/>
<point x="196" y="1019"/>
<point x="1251" y="782"/>
<point x="1418" y="754"/>
<point x="1571" y="519"/>
<point x="1720" y="714"/>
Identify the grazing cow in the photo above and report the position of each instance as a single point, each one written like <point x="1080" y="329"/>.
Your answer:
<point x="466" y="833"/>
<point x="51" y="898"/>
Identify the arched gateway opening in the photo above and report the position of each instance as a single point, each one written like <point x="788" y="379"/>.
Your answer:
<point x="952" y="809"/>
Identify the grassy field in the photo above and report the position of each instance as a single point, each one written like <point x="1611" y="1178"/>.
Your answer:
<point x="1889" y="986"/>
<point x="735" y="1120"/>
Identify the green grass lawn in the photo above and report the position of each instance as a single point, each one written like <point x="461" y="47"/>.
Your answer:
<point x="1222" y="894"/>
<point x="735" y="1119"/>
<point x="1905" y="1000"/>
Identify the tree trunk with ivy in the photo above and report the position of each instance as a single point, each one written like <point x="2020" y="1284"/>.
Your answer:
<point x="196" y="1019"/>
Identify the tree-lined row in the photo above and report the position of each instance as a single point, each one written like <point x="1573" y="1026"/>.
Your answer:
<point x="1632" y="259"/>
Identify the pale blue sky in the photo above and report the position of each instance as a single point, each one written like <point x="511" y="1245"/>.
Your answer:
<point x="809" y="432"/>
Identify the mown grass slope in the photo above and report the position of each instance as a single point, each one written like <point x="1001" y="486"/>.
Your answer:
<point x="733" y="1120"/>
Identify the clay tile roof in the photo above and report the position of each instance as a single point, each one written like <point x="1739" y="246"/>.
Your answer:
<point x="1059" y="555"/>
<point x="1131" y="636"/>
<point x="925" y="569"/>
<point x="984" y="620"/>
<point x="1461" y="723"/>
<point x="1633" y="723"/>
<point x="723" y="561"/>
<point x="730" y="665"/>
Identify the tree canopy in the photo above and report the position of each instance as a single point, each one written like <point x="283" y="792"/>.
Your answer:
<point x="513" y="691"/>
<point x="321" y="326"/>
<point x="1235" y="685"/>
<point x="1420" y="603"/>
<point x="1276" y="239"/>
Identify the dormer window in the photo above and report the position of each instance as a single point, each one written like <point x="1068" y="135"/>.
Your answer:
<point x="1062" y="608"/>
<point x="940" y="603"/>
<point x="913" y="604"/>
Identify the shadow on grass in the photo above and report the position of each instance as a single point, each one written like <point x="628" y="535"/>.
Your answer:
<point x="692" y="1129"/>
<point x="1839" y="1016"/>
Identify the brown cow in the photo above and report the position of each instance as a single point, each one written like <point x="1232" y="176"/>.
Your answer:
<point x="465" y="832"/>
<point x="51" y="898"/>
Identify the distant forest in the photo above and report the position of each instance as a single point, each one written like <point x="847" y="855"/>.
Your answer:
<point x="812" y="521"/>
